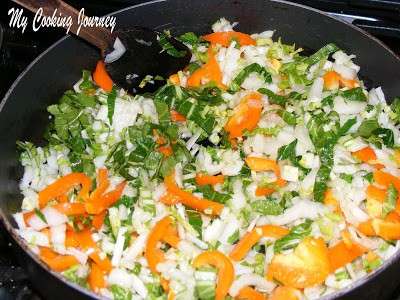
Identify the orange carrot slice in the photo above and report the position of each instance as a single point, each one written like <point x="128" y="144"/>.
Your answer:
<point x="165" y="284"/>
<point x="259" y="164"/>
<point x="350" y="243"/>
<point x="98" y="219"/>
<point x="329" y="199"/>
<point x="284" y="293"/>
<point x="209" y="72"/>
<point x="246" y="116"/>
<point x="96" y="278"/>
<point x="225" y="38"/>
<point x="70" y="239"/>
<point x="383" y="178"/>
<point x="99" y="204"/>
<point x="397" y="156"/>
<point x="366" y="228"/>
<point x="165" y="150"/>
<point x="251" y="294"/>
<point x="101" y="78"/>
<point x="349" y="83"/>
<point x="252" y="237"/>
<point x="264" y="191"/>
<point x="86" y="242"/>
<point x="386" y="230"/>
<point x="340" y="255"/>
<point x="102" y="176"/>
<point x="57" y="261"/>
<point x="154" y="255"/>
<point x="175" y="80"/>
<point x="367" y="155"/>
<point x="172" y="240"/>
<point x="201" y="204"/>
<point x="63" y="185"/>
<point x="306" y="266"/>
<point x="170" y="198"/>
<point x="177" y="117"/>
<point x="332" y="80"/>
<point x="376" y="193"/>
<point x="204" y="179"/>
<point x="70" y="208"/>
<point x="226" y="272"/>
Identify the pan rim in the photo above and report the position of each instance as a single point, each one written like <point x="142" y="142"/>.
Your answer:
<point x="21" y="243"/>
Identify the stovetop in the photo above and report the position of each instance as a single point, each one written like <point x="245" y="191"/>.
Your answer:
<point x="381" y="18"/>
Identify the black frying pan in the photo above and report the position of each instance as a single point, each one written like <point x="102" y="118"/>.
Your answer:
<point x="24" y="116"/>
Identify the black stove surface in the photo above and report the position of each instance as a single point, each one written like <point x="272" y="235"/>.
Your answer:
<point x="381" y="18"/>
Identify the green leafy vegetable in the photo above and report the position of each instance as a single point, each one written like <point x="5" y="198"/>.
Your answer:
<point x="30" y="151"/>
<point x="209" y="93"/>
<point x="205" y="289"/>
<point x="322" y="53"/>
<point x="381" y="136"/>
<point x="168" y="47"/>
<point x="395" y="106"/>
<point x="127" y="201"/>
<point x="195" y="221"/>
<point x="292" y="239"/>
<point x="40" y="215"/>
<point x="213" y="195"/>
<point x="373" y="265"/>
<point x="71" y="275"/>
<point x="111" y="103"/>
<point x="367" y="127"/>
<point x="390" y="202"/>
<point x="86" y="84"/>
<point x="324" y="142"/>
<point x="288" y="117"/>
<point x="193" y="67"/>
<point x="120" y="293"/>
<point x="155" y="290"/>
<point x="272" y="97"/>
<point x="355" y="94"/>
<point x="267" y="207"/>
<point x="342" y="275"/>
<point x="234" y="237"/>
<point x="289" y="152"/>
<point x="254" y="67"/>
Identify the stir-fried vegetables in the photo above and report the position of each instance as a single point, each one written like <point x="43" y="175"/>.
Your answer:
<point x="254" y="173"/>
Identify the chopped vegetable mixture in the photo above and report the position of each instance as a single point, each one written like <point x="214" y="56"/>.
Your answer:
<point x="254" y="173"/>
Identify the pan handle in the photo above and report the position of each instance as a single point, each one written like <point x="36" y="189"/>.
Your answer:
<point x="100" y="37"/>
